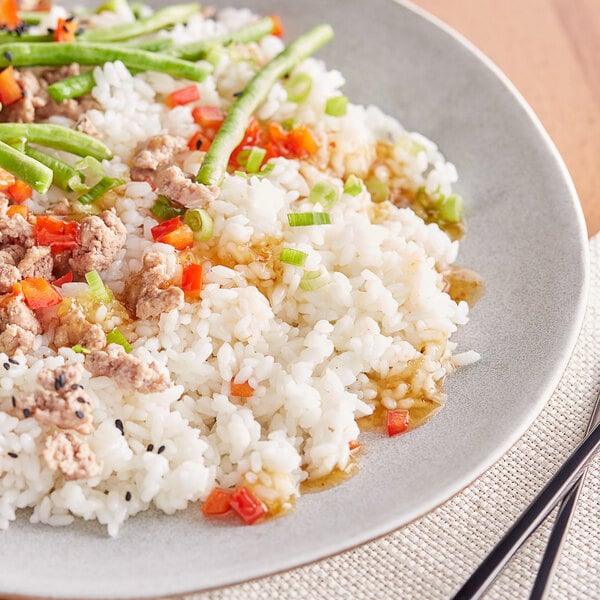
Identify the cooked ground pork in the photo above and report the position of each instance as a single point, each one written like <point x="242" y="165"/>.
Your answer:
<point x="14" y="230"/>
<point x="9" y="275"/>
<point x="128" y="371"/>
<point x="149" y="293"/>
<point x="11" y="255"/>
<point x="85" y="125"/>
<point x="154" y="154"/>
<point x="37" y="262"/>
<point x="175" y="185"/>
<point x="18" y="326"/>
<point x="60" y="401"/>
<point x="74" y="328"/>
<point x="68" y="453"/>
<point x="16" y="339"/>
<point x="101" y="238"/>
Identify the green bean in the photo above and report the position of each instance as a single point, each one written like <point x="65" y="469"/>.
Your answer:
<point x="162" y="18"/>
<point x="232" y="131"/>
<point x="32" y="17"/>
<point x="33" y="173"/>
<point x="155" y="45"/>
<point x="24" y="38"/>
<point x="63" y="172"/>
<point x="72" y="87"/>
<point x="105" y="184"/>
<point x="65" y="53"/>
<point x="251" y="33"/>
<point x="56" y="136"/>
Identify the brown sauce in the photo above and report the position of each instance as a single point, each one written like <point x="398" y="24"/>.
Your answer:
<point x="336" y="477"/>
<point x="464" y="284"/>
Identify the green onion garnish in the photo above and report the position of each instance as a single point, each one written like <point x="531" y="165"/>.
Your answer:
<point x="378" y="189"/>
<point x="451" y="208"/>
<point x="103" y="186"/>
<point x="80" y="349"/>
<point x="116" y="337"/>
<point x="409" y="145"/>
<point x="293" y="257"/>
<point x="201" y="223"/>
<point x="289" y="124"/>
<point x="353" y="186"/>
<point x="336" y="106"/>
<point x="91" y="168"/>
<point x="251" y="158"/>
<point x="324" y="194"/>
<point x="213" y="55"/>
<point x="308" y="218"/>
<point x="312" y="280"/>
<point x="298" y="87"/>
<point x="163" y="210"/>
<point x="97" y="287"/>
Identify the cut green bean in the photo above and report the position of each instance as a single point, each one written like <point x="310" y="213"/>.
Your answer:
<point x="250" y="33"/>
<point x="24" y="38"/>
<point x="33" y="173"/>
<point x="165" y="17"/>
<point x="232" y="131"/>
<point x="32" y="17"/>
<point x="72" y="87"/>
<point x="84" y="53"/>
<point x="56" y="136"/>
<point x="64" y="175"/>
<point x="155" y="45"/>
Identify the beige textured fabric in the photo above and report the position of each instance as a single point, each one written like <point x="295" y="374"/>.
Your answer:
<point x="432" y="557"/>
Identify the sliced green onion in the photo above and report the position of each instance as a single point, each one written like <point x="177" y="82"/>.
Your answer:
<point x="323" y="193"/>
<point x="308" y="218"/>
<point x="116" y="337"/>
<point x="289" y="124"/>
<point x="293" y="257"/>
<point x="112" y="6"/>
<point x="91" y="168"/>
<point x="298" y="87"/>
<point x="408" y="145"/>
<point x="353" y="186"/>
<point x="265" y="170"/>
<point x="201" y="223"/>
<point x="80" y="349"/>
<point x="378" y="189"/>
<point x="251" y="158"/>
<point x="312" y="280"/>
<point x="336" y="106"/>
<point x="214" y="55"/>
<point x="163" y="210"/>
<point x="451" y="209"/>
<point x="97" y="287"/>
<point x="103" y="186"/>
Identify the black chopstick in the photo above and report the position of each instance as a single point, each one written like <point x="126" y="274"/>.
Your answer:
<point x="556" y="489"/>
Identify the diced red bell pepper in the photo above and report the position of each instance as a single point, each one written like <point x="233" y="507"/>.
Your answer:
<point x="353" y="445"/>
<point x="9" y="14"/>
<point x="243" y="390"/>
<point x="182" y="96"/>
<point x="218" y="502"/>
<point x="397" y="421"/>
<point x="208" y="117"/>
<point x="65" y="30"/>
<point x="17" y="209"/>
<point x="191" y="279"/>
<point x="174" y="233"/>
<point x="277" y="26"/>
<point x="199" y="141"/>
<point x="254" y="136"/>
<point x="67" y="278"/>
<point x="19" y="191"/>
<point x="38" y="293"/>
<point x="58" y="234"/>
<point x="10" y="90"/>
<point x="302" y="142"/>
<point x="247" y="505"/>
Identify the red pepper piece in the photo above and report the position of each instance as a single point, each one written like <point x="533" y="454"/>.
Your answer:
<point x="243" y="390"/>
<point x="16" y="209"/>
<point x="38" y="293"/>
<point x="9" y="14"/>
<point x="208" y="117"/>
<point x="199" y="141"/>
<point x="59" y="235"/>
<point x="191" y="279"/>
<point x="68" y="278"/>
<point x="182" y="96"/>
<point x="65" y="30"/>
<point x="397" y="421"/>
<point x="277" y="26"/>
<point x="218" y="502"/>
<point x="247" y="505"/>
<point x="10" y="90"/>
<point x="19" y="191"/>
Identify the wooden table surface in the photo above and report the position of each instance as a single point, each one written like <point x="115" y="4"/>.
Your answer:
<point x="550" y="50"/>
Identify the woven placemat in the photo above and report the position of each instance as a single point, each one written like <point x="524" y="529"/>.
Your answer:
<point x="431" y="558"/>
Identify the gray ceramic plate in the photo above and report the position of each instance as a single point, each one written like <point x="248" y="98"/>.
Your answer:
<point x="526" y="237"/>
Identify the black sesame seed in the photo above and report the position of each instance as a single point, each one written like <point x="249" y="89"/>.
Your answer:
<point x="79" y="414"/>
<point x="8" y="56"/>
<point x="13" y="454"/>
<point x="14" y="401"/>
<point x="23" y="93"/>
<point x="50" y="30"/>
<point x="65" y="29"/>
<point x="128" y="496"/>
<point x="70" y="19"/>
<point x="161" y="449"/>
<point x="198" y="144"/>
<point x="150" y="447"/>
<point x="119" y="426"/>
<point x="26" y="413"/>
<point x="13" y="361"/>
<point x="81" y="400"/>
<point x="59" y="382"/>
<point x="6" y="366"/>
<point x="76" y="386"/>
<point x="238" y="94"/>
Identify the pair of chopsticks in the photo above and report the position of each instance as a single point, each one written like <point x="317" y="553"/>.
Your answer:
<point x="565" y="485"/>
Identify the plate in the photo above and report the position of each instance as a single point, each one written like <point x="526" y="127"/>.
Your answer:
<point x="526" y="237"/>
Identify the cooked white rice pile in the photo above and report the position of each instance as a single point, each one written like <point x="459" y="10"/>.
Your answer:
<point x="307" y="353"/>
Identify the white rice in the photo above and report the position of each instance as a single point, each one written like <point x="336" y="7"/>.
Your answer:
<point x="310" y="355"/>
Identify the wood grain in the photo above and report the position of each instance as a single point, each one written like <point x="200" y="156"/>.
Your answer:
<point x="549" y="50"/>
